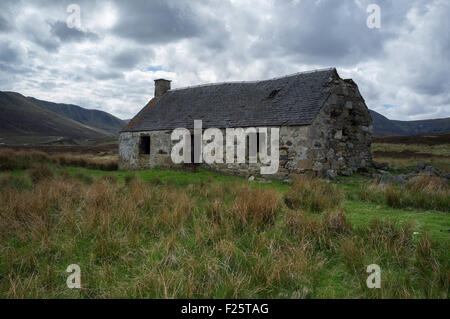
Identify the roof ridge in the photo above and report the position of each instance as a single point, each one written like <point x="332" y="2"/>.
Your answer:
<point x="249" y="82"/>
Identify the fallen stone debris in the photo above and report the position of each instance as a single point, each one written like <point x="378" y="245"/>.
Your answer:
<point x="383" y="176"/>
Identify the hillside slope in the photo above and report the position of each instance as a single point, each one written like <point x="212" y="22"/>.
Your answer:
<point x="382" y="126"/>
<point x="24" y="121"/>
<point x="93" y="118"/>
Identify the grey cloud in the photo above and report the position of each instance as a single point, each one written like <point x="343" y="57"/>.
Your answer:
<point x="37" y="31"/>
<point x="60" y="30"/>
<point x="403" y="64"/>
<point x="156" y="21"/>
<point x="10" y="53"/>
<point x="103" y="74"/>
<point x="4" y="25"/>
<point x="129" y="58"/>
<point x="326" y="32"/>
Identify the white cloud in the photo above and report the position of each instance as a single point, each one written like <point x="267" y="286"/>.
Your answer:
<point x="122" y="47"/>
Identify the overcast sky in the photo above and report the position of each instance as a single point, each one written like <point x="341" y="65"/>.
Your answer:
<point x="109" y="60"/>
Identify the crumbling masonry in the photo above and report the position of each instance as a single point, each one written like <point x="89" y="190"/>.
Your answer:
<point x="325" y="125"/>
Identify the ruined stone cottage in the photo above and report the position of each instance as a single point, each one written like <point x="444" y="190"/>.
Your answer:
<point x="324" y="124"/>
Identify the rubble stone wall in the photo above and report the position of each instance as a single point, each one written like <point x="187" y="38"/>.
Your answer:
<point x="337" y="142"/>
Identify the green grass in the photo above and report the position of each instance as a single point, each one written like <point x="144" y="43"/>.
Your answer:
<point x="161" y="251"/>
<point x="179" y="178"/>
<point x="439" y="150"/>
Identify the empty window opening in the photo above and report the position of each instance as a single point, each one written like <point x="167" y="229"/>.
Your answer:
<point x="195" y="160"/>
<point x="145" y="145"/>
<point x="273" y="94"/>
<point x="259" y="137"/>
<point x="192" y="149"/>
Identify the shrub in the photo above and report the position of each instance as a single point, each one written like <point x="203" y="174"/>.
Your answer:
<point x="313" y="195"/>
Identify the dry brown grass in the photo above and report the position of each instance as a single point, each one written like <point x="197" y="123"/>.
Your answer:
<point x="424" y="192"/>
<point x="332" y="224"/>
<point x="337" y="223"/>
<point x="138" y="239"/>
<point x="391" y="240"/>
<point x="25" y="159"/>
<point x="254" y="206"/>
<point x="87" y="162"/>
<point x="352" y="249"/>
<point x="313" y="195"/>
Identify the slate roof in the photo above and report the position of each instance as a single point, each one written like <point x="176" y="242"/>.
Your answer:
<point x="286" y="101"/>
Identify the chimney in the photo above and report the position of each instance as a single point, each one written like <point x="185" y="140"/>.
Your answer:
<point x="161" y="87"/>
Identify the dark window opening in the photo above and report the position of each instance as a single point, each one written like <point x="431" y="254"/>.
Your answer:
<point x="273" y="94"/>
<point x="259" y="137"/>
<point x="194" y="161"/>
<point x="192" y="149"/>
<point x="145" y="145"/>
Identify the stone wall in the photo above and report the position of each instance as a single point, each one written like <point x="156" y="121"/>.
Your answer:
<point x="341" y="135"/>
<point x="160" y="148"/>
<point x="337" y="142"/>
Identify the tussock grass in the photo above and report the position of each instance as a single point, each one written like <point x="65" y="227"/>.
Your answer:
<point x="141" y="239"/>
<point x="79" y="160"/>
<point x="313" y="195"/>
<point x="423" y="192"/>
<point x="16" y="160"/>
<point x="13" y="181"/>
<point x="254" y="206"/>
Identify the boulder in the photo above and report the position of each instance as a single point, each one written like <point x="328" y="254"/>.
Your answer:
<point x="422" y="165"/>
<point x="346" y="172"/>
<point x="432" y="170"/>
<point x="380" y="165"/>
<point x="331" y="174"/>
<point x="392" y="179"/>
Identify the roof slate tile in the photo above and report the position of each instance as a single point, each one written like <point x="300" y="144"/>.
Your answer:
<point x="239" y="104"/>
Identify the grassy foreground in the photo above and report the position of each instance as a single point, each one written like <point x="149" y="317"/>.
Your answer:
<point x="175" y="234"/>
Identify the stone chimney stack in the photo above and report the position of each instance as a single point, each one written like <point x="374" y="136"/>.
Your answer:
<point x="161" y="87"/>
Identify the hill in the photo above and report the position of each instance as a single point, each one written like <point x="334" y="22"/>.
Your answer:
<point x="382" y="126"/>
<point x="23" y="121"/>
<point x="30" y="120"/>
<point x="93" y="118"/>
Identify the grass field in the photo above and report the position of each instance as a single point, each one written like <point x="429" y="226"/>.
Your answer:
<point x="179" y="234"/>
<point x="408" y="151"/>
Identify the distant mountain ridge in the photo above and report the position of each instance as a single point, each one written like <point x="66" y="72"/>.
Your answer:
<point x="382" y="126"/>
<point x="26" y="120"/>
<point x="30" y="120"/>
<point x="93" y="118"/>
